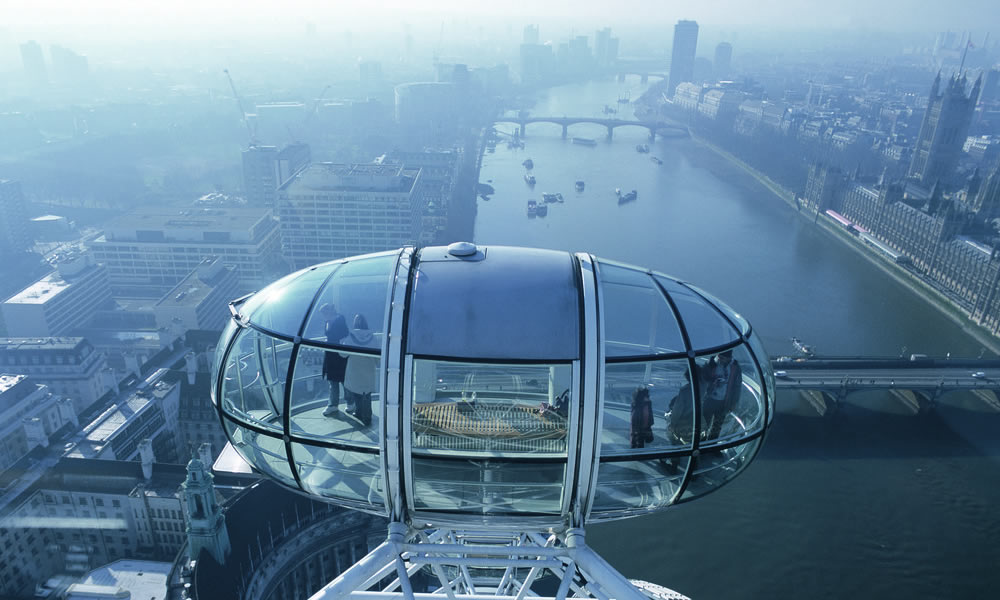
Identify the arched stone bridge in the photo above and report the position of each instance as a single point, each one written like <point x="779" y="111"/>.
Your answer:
<point x="661" y="127"/>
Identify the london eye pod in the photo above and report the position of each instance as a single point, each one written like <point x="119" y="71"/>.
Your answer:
<point x="492" y="389"/>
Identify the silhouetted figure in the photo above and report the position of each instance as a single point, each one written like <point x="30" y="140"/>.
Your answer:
<point x="641" y="429"/>
<point x="334" y="364"/>
<point x="723" y="378"/>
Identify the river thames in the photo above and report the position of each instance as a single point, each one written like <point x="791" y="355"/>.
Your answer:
<point x="872" y="502"/>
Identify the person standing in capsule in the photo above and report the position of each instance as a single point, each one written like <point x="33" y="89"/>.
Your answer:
<point x="334" y="363"/>
<point x="360" y="380"/>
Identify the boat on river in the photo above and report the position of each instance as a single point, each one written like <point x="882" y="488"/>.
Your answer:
<point x="529" y="179"/>
<point x="585" y="141"/>
<point x="579" y="185"/>
<point x="532" y="208"/>
<point x="623" y="198"/>
<point x="549" y="197"/>
<point x="528" y="164"/>
<point x="541" y="210"/>
<point x="656" y="160"/>
<point x="642" y="148"/>
<point x="802" y="348"/>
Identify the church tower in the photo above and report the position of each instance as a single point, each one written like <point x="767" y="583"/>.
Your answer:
<point x="206" y="525"/>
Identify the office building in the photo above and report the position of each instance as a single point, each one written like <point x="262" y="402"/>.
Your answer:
<point x="70" y="366"/>
<point x="943" y="130"/>
<point x="140" y="427"/>
<point x="605" y="48"/>
<point x="30" y="415"/>
<point x="59" y="302"/>
<point x="330" y="211"/>
<point x="200" y="300"/>
<point x="68" y="65"/>
<point x="722" y="65"/>
<point x="149" y="251"/>
<point x="265" y="169"/>
<point x="682" y="55"/>
<point x="15" y="235"/>
<point x="426" y="112"/>
<point x="530" y="35"/>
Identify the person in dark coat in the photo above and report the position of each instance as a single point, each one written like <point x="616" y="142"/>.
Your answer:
<point x="334" y="364"/>
<point x="723" y="380"/>
<point x="641" y="427"/>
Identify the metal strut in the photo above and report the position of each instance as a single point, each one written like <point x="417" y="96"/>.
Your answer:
<point x="481" y="565"/>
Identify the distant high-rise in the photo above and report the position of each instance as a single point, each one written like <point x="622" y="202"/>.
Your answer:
<point x="723" y="60"/>
<point x="991" y="85"/>
<point x="943" y="130"/>
<point x="605" y="47"/>
<point x="530" y="34"/>
<point x="68" y="65"/>
<point x="34" y="61"/>
<point x="14" y="234"/>
<point x="682" y="55"/>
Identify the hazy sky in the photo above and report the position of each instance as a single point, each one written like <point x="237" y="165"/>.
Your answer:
<point x="160" y="18"/>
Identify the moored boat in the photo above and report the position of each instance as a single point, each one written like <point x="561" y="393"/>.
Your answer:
<point x="529" y="179"/>
<point x="541" y="210"/>
<point x="528" y="164"/>
<point x="532" y="208"/>
<point x="656" y="160"/>
<point x="579" y="185"/>
<point x="623" y="198"/>
<point x="642" y="148"/>
<point x="549" y="197"/>
<point x="585" y="141"/>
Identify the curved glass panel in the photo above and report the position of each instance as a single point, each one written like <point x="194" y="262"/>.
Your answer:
<point x="492" y="409"/>
<point x="356" y="292"/>
<point x="335" y="397"/>
<point x="273" y="290"/>
<point x="253" y="384"/>
<point x="768" y="372"/>
<point x="637" y="319"/>
<point x="340" y="474"/>
<point x="637" y="486"/>
<point x="712" y="469"/>
<point x="285" y="308"/>
<point x="736" y="317"/>
<point x="265" y="452"/>
<point x="732" y="406"/>
<point x="706" y="328"/>
<point x="220" y="349"/>
<point x="487" y="486"/>
<point x="648" y="406"/>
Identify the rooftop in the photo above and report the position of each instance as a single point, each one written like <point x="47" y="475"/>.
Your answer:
<point x="47" y="288"/>
<point x="141" y="579"/>
<point x="46" y="343"/>
<point x="185" y="218"/>
<point x="358" y="177"/>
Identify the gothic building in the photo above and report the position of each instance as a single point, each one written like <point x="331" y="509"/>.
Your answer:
<point x="943" y="130"/>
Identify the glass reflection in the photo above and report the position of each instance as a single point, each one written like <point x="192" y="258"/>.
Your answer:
<point x="357" y="289"/>
<point x="341" y="474"/>
<point x="475" y="407"/>
<point x="637" y="486"/>
<point x="665" y="384"/>
<point x="285" y="309"/>
<point x="487" y="486"/>
<point x="253" y="388"/>
<point x="637" y="319"/>
<point x="335" y="396"/>
<point x="712" y="469"/>
<point x="705" y="326"/>
<point x="265" y="452"/>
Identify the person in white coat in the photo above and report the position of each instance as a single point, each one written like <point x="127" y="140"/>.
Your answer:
<point x="360" y="381"/>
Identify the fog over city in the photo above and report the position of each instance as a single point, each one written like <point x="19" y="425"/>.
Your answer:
<point x="399" y="299"/>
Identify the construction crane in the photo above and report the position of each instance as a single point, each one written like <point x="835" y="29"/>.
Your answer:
<point x="309" y="115"/>
<point x="243" y="113"/>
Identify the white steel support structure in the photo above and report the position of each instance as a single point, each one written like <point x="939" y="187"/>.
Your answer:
<point x="481" y="565"/>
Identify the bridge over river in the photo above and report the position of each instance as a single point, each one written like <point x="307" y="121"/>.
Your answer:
<point x="661" y="127"/>
<point x="917" y="383"/>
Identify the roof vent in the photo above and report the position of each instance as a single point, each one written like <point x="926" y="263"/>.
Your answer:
<point x="462" y="249"/>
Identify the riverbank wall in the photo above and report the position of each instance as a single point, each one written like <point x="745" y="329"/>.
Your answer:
<point x="912" y="282"/>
